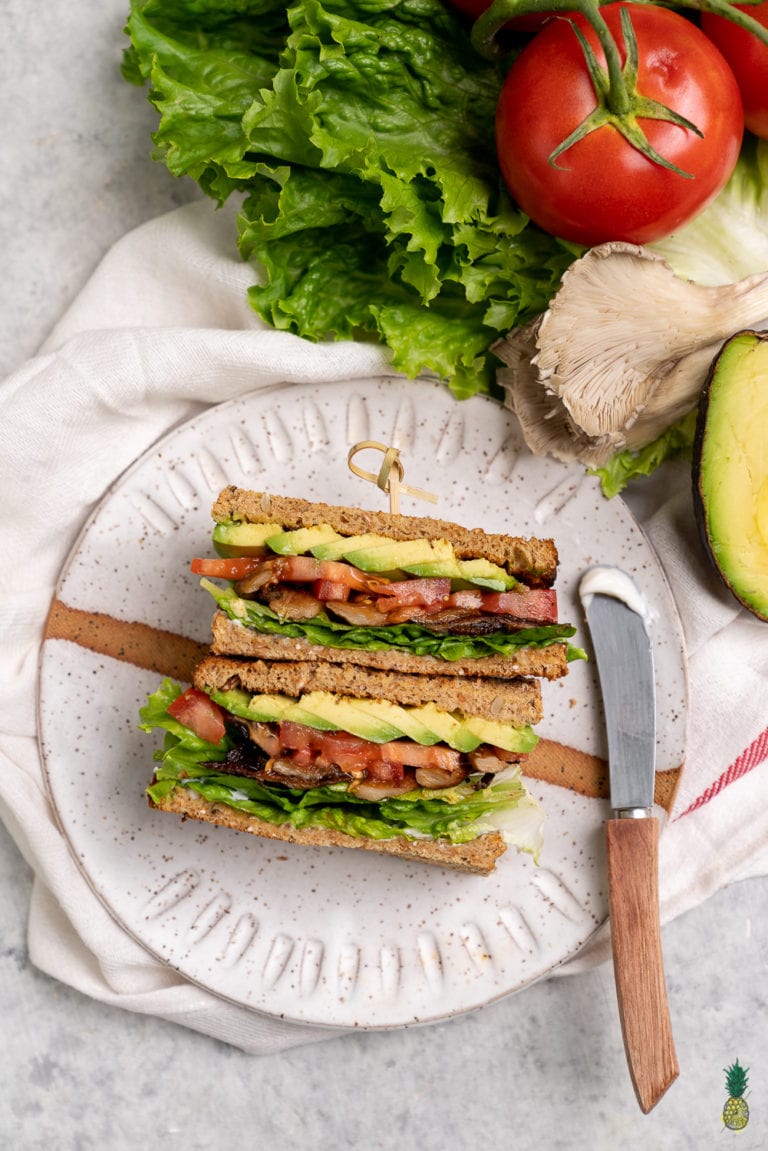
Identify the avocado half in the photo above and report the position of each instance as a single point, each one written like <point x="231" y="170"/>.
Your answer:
<point x="730" y="468"/>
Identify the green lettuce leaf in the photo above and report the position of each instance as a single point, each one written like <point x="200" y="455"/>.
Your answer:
<point x="413" y="638"/>
<point x="458" y="814"/>
<point x="676" y="442"/>
<point x="728" y="241"/>
<point x="361" y="134"/>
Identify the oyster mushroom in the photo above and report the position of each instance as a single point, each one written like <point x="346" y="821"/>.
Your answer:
<point x="621" y="353"/>
<point x="544" y="420"/>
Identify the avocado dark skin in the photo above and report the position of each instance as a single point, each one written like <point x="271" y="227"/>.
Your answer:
<point x="730" y="468"/>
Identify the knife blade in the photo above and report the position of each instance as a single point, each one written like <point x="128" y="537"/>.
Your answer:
<point x="619" y="627"/>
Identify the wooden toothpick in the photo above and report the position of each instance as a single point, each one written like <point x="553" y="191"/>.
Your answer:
<point x="390" y="475"/>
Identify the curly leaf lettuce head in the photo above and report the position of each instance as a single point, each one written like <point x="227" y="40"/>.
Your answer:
<point x="361" y="135"/>
<point x="675" y="443"/>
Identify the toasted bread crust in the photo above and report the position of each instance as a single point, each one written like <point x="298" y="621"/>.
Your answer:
<point x="479" y="856"/>
<point x="514" y="701"/>
<point x="533" y="560"/>
<point x="235" y="639"/>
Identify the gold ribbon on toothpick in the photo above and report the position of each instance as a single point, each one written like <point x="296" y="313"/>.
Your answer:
<point x="390" y="476"/>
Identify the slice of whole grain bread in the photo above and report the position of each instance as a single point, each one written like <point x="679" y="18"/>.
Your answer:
<point x="534" y="561"/>
<point x="513" y="701"/>
<point x="478" y="856"/>
<point x="230" y="637"/>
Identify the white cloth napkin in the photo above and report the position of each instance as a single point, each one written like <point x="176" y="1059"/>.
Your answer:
<point x="162" y="330"/>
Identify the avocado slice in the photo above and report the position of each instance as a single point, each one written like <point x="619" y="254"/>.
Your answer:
<point x="380" y="721"/>
<point x="390" y="555"/>
<point x="451" y="729"/>
<point x="268" y="708"/>
<point x="407" y="720"/>
<point x="338" y="713"/>
<point x="337" y="548"/>
<point x="300" y="540"/>
<point x="730" y="468"/>
<point x="486" y="574"/>
<point x="514" y="739"/>
<point x="236" y="539"/>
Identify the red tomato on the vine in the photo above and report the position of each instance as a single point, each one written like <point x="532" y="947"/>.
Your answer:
<point x="602" y="188"/>
<point x="748" y="58"/>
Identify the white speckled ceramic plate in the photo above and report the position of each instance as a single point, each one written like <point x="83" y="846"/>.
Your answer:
<point x="332" y="937"/>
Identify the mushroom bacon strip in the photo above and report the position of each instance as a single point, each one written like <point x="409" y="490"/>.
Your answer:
<point x="367" y="600"/>
<point x="300" y="587"/>
<point x="298" y="756"/>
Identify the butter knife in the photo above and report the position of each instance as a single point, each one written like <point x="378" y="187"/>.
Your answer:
<point x="619" y="626"/>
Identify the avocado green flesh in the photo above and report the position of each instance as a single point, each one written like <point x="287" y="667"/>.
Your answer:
<point x="294" y="543"/>
<point x="242" y="539"/>
<point x="731" y="468"/>
<point x="378" y="721"/>
<point x="369" y="553"/>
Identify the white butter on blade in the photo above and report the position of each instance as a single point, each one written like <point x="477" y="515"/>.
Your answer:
<point x="617" y="584"/>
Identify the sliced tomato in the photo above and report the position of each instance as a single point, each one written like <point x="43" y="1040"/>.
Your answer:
<point x="333" y="743"/>
<point x="384" y="771"/>
<point x="471" y="598"/>
<point x="233" y="567"/>
<point x="427" y="591"/>
<point x="303" y="757"/>
<point x="297" y="736"/>
<point x="356" y="755"/>
<point x="200" y="714"/>
<point x="405" y="751"/>
<point x="306" y="569"/>
<point x="297" y="569"/>
<point x="382" y="763"/>
<point x="538" y="605"/>
<point x="328" y="589"/>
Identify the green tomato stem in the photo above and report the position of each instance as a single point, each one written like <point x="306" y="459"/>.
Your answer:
<point x="729" y="12"/>
<point x="617" y="98"/>
<point x="485" y="28"/>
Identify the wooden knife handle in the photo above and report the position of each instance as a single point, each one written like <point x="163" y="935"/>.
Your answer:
<point x="633" y="884"/>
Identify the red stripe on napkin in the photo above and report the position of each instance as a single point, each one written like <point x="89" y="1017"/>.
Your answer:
<point x="749" y="758"/>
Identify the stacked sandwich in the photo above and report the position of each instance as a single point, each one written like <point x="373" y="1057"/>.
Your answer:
<point x="373" y="682"/>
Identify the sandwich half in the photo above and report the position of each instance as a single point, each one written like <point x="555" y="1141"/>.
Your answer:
<point x="338" y="755"/>
<point x="313" y="581"/>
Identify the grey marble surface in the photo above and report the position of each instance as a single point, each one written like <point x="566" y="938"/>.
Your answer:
<point x="541" y="1070"/>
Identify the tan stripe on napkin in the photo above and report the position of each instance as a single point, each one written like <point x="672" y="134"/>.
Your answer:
<point x="174" y="655"/>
